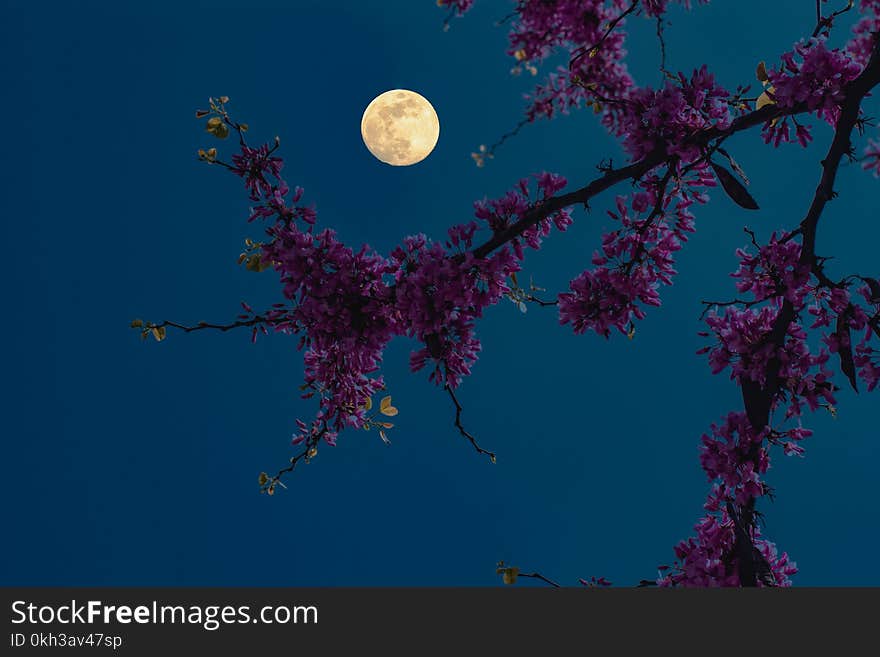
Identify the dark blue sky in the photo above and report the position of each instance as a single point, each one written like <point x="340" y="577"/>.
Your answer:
<point x="131" y="463"/>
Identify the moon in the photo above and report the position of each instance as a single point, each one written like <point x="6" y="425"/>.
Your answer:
<point x="400" y="127"/>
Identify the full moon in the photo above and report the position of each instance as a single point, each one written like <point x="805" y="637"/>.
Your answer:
<point x="400" y="127"/>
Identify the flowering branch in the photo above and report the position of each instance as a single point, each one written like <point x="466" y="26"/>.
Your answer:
<point x="346" y="305"/>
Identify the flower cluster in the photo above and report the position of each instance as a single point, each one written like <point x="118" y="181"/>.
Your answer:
<point x="709" y="558"/>
<point x="438" y="298"/>
<point x="865" y="31"/>
<point x="502" y="213"/>
<point x="811" y="75"/>
<point x="347" y="305"/>
<point x="745" y="335"/>
<point x="669" y="117"/>
<point x="637" y="258"/>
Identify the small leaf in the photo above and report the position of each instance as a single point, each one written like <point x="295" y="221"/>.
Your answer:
<point x="243" y="127"/>
<point x="271" y="489"/>
<point x="734" y="188"/>
<point x="765" y="99"/>
<point x="384" y="437"/>
<point x="844" y="350"/>
<point x="158" y="333"/>
<point x="385" y="403"/>
<point x="224" y="99"/>
<point x="390" y="411"/>
<point x="761" y="72"/>
<point x="200" y="114"/>
<point x="313" y="452"/>
<point x="217" y="128"/>
<point x="387" y="425"/>
<point x="211" y="154"/>
<point x="256" y="263"/>
<point x="509" y="575"/>
<point x="368" y="404"/>
<point x="263" y="479"/>
<point x="137" y="323"/>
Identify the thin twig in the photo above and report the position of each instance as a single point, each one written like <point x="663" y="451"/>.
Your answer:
<point x="542" y="578"/>
<point x="462" y="430"/>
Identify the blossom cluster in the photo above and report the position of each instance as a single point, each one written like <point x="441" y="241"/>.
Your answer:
<point x="347" y="305"/>
<point x="636" y="258"/>
<point x="814" y="75"/>
<point x="864" y="31"/>
<point x="669" y="117"/>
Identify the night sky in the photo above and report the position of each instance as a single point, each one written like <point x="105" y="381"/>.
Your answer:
<point x="130" y="463"/>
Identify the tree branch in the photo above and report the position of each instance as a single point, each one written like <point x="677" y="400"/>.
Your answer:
<point x="219" y="327"/>
<point x="758" y="399"/>
<point x="633" y="171"/>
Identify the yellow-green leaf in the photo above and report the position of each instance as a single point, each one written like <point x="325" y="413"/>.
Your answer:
<point x="264" y="479"/>
<point x="368" y="404"/>
<point x="158" y="333"/>
<point x="390" y="411"/>
<point x="256" y="263"/>
<point x="509" y="575"/>
<point x="761" y="72"/>
<point x="764" y="99"/>
<point x="216" y="127"/>
<point x="137" y="323"/>
<point x="385" y="403"/>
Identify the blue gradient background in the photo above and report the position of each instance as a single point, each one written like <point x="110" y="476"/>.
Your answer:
<point x="130" y="463"/>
